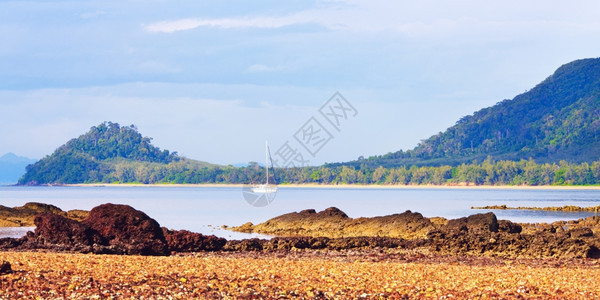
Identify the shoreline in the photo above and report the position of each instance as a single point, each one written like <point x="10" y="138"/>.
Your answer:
<point x="350" y="186"/>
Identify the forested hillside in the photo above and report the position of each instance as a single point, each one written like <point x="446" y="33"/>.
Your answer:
<point x="109" y="153"/>
<point x="559" y="119"/>
<point x="548" y="135"/>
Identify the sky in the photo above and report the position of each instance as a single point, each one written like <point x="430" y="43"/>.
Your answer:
<point x="213" y="80"/>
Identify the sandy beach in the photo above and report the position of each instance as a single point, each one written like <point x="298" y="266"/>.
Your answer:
<point x="356" y="186"/>
<point x="287" y="275"/>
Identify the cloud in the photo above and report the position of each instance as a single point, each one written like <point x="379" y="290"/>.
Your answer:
<point x="407" y="19"/>
<point x="226" y="23"/>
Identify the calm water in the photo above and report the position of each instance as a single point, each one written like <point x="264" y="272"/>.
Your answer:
<point x="205" y="209"/>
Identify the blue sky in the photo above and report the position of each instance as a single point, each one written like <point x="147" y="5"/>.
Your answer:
<point x="214" y="79"/>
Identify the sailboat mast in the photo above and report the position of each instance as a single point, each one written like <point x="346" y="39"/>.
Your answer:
<point x="267" y="159"/>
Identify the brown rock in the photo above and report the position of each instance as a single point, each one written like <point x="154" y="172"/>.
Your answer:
<point x="334" y="223"/>
<point x="56" y="229"/>
<point x="509" y="227"/>
<point x="186" y="241"/>
<point x="247" y="227"/>
<point x="332" y="212"/>
<point x="10" y="243"/>
<point x="24" y="215"/>
<point x="41" y="208"/>
<point x="77" y="214"/>
<point x="477" y="223"/>
<point x="540" y="244"/>
<point x="129" y="230"/>
<point x="244" y="245"/>
<point x="407" y="225"/>
<point x="5" y="268"/>
<point x="582" y="232"/>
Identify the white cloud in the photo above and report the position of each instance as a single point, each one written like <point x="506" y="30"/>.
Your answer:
<point x="226" y="23"/>
<point x="413" y="19"/>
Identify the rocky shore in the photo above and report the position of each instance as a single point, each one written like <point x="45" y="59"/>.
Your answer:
<point x="472" y="257"/>
<point x="121" y="229"/>
<point x="479" y="234"/>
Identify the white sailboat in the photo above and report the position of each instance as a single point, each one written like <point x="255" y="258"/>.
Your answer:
<point x="266" y="188"/>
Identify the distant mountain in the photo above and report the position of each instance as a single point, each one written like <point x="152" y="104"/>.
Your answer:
<point x="559" y="119"/>
<point x="12" y="167"/>
<point x="109" y="153"/>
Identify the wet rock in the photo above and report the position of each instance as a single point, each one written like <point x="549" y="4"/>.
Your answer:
<point x="186" y="241"/>
<point x="5" y="268"/>
<point x="129" y="230"/>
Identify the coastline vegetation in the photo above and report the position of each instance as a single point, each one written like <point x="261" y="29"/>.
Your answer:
<point x="185" y="171"/>
<point x="110" y="153"/>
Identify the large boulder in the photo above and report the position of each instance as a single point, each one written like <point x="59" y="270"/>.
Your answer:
<point x="129" y="230"/>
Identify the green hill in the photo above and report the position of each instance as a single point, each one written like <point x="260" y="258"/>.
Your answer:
<point x="559" y="119"/>
<point x="110" y="153"/>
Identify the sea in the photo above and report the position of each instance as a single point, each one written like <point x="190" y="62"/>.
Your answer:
<point x="207" y="209"/>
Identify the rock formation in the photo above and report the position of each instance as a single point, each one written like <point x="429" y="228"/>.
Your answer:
<point x="482" y="234"/>
<point x="127" y="229"/>
<point x="121" y="229"/>
<point x="334" y="223"/>
<point x="187" y="241"/>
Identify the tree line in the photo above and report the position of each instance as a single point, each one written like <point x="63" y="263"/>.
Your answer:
<point x="524" y="172"/>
